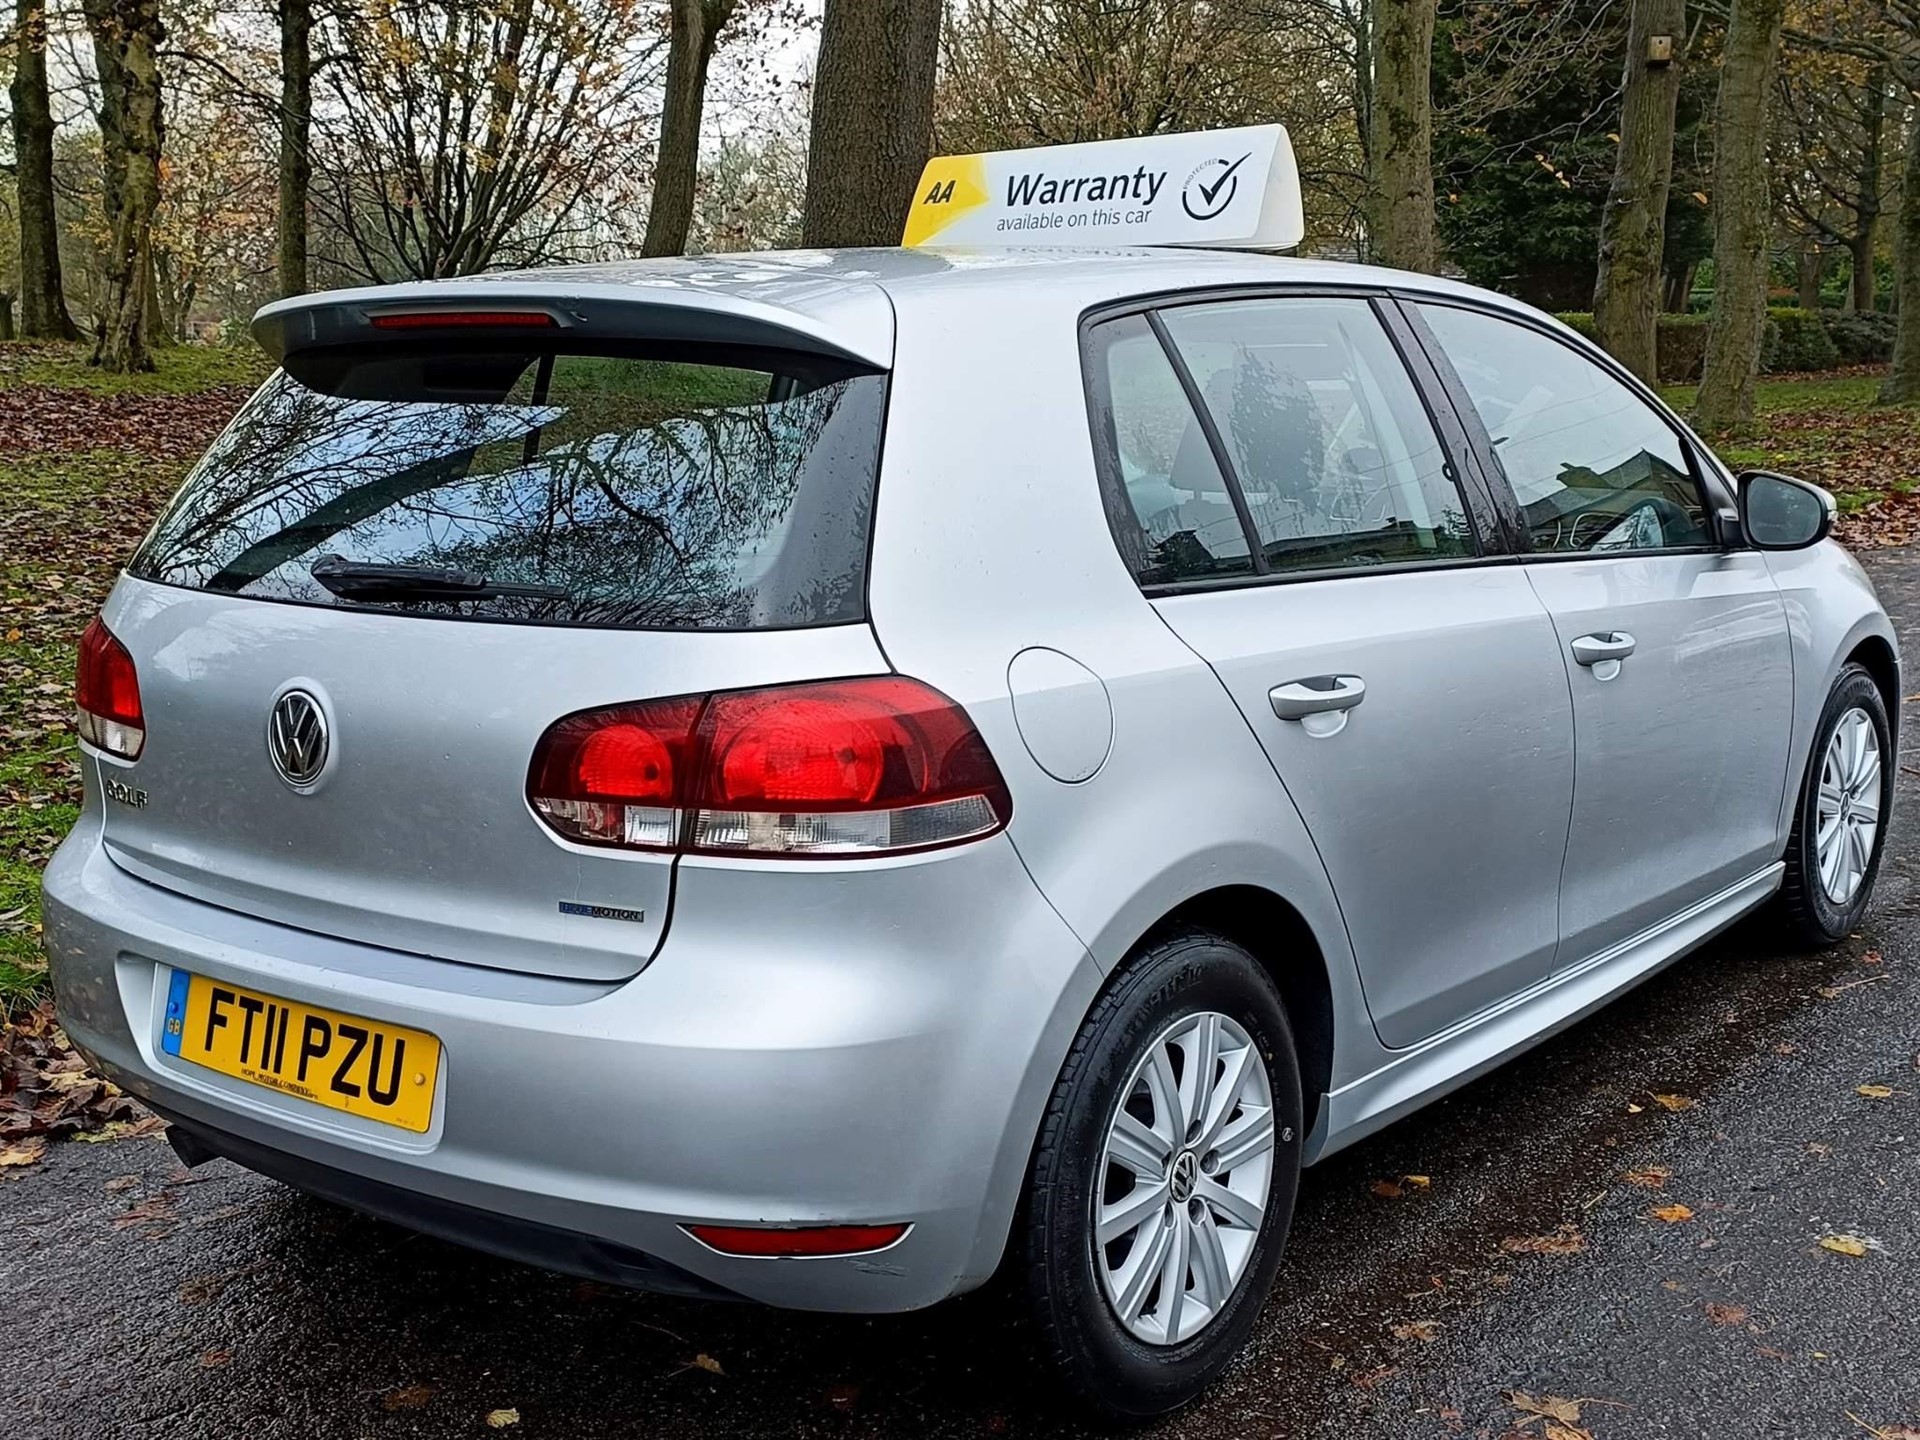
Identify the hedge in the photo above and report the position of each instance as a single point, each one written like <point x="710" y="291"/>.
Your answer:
<point x="1680" y="343"/>
<point x="1794" y="339"/>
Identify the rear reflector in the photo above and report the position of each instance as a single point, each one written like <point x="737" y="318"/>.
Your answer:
<point x="107" y="691"/>
<point x="878" y="765"/>
<point x="448" y="319"/>
<point x="808" y="1240"/>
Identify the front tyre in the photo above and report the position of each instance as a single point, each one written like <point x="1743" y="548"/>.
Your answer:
<point x="1164" y="1177"/>
<point x="1839" y="821"/>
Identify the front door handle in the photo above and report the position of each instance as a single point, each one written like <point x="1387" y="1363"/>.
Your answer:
<point x="1316" y="695"/>
<point x="1606" y="645"/>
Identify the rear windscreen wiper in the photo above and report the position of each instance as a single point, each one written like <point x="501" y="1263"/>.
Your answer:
<point x="363" y="580"/>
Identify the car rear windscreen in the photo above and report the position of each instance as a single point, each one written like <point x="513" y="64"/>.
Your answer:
<point x="686" y="489"/>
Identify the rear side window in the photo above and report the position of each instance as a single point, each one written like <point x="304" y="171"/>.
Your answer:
<point x="1318" y="454"/>
<point x="686" y="490"/>
<point x="1337" y="458"/>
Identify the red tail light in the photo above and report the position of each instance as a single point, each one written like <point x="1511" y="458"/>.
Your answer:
<point x="872" y="766"/>
<point x="107" y="690"/>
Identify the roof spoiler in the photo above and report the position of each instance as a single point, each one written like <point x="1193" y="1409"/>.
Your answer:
<point x="843" y="323"/>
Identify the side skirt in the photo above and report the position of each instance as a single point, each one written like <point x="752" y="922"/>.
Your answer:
<point x="1476" y="1045"/>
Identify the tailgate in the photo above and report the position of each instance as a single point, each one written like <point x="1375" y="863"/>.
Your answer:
<point x="417" y="836"/>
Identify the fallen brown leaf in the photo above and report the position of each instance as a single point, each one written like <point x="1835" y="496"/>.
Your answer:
<point x="1418" y="1182"/>
<point x="1726" y="1314"/>
<point x="1672" y="1214"/>
<point x="1566" y="1240"/>
<point x="1649" y="1177"/>
<point x="708" y="1364"/>
<point x="1386" y="1189"/>
<point x="1885" y="1432"/>
<point x="1844" y="1245"/>
<point x="1875" y="1092"/>
<point x="23" y="1152"/>
<point x="407" y="1397"/>
<point x="1423" y="1330"/>
<point x="1675" y="1102"/>
<point x="1551" y="1407"/>
<point x="500" y="1419"/>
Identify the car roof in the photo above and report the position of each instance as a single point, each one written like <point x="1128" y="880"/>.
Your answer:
<point x="1115" y="272"/>
<point x="844" y="301"/>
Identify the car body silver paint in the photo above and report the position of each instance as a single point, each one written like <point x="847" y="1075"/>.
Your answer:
<point x="804" y="1045"/>
<point x="1440" y="809"/>
<point x="1661" y="820"/>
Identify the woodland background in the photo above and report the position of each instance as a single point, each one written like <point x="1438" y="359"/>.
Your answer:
<point x="174" y="164"/>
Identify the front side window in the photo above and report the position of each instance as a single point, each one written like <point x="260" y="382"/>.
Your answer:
<point x="690" y="490"/>
<point x="1594" y="467"/>
<point x="1336" y="456"/>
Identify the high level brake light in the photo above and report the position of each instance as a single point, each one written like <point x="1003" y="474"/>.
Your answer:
<point x="874" y="766"/>
<point x="107" y="691"/>
<point x="462" y="319"/>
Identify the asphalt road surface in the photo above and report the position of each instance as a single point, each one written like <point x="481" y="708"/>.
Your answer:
<point x="138" y="1299"/>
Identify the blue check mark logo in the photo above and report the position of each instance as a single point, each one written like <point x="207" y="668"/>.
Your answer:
<point x="1211" y="188"/>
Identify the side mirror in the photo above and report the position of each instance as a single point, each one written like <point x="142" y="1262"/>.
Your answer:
<point x="1778" y="512"/>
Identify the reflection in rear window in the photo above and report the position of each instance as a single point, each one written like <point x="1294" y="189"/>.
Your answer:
<point x="607" y="490"/>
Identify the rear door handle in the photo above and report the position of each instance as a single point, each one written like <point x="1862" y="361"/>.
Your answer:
<point x="1316" y="695"/>
<point x="1606" y="645"/>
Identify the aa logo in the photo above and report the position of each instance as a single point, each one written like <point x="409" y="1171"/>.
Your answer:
<point x="939" y="194"/>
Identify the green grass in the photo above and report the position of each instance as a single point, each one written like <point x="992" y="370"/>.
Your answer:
<point x="1789" y="397"/>
<point x="66" y="525"/>
<point x="178" y="369"/>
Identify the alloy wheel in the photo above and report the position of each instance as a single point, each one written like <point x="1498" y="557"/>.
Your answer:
<point x="1847" y="813"/>
<point x="1184" y="1179"/>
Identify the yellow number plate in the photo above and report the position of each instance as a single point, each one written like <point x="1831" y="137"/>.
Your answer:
<point x="365" y="1067"/>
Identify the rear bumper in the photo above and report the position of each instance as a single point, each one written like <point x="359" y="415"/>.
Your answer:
<point x="874" y="1045"/>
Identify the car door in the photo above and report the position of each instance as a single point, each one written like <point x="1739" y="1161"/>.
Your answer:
<point x="1288" y="502"/>
<point x="1676" y="649"/>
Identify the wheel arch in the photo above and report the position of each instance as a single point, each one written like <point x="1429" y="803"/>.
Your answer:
<point x="1874" y="655"/>
<point x="1277" y="935"/>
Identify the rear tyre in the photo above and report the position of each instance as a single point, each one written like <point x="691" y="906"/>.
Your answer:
<point x="1164" y="1178"/>
<point x="1839" y="820"/>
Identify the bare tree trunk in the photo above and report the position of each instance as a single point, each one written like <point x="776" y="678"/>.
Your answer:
<point x="1903" y="378"/>
<point x="696" y="29"/>
<point x="1633" y="228"/>
<point x="1866" y="204"/>
<point x="43" y="305"/>
<point x="296" y="126"/>
<point x="872" y="119"/>
<point x="1808" y="264"/>
<point x="1742" y="217"/>
<point x="126" y="43"/>
<point x="1400" y="147"/>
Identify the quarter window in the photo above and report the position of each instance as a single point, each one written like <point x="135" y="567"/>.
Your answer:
<point x="1173" y="516"/>
<point x="1594" y="467"/>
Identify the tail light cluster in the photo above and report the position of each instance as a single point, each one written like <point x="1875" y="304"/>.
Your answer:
<point x="873" y="766"/>
<point x="107" y="691"/>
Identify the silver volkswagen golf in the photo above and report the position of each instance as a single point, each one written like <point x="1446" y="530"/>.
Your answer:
<point x="822" y="777"/>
